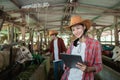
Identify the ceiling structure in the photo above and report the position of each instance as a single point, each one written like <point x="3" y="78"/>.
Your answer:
<point x="55" y="14"/>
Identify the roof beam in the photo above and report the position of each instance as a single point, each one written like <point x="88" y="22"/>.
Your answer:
<point x="19" y="6"/>
<point x="16" y="3"/>
<point x="88" y="6"/>
<point x="76" y="4"/>
<point x="112" y="7"/>
<point x="62" y="13"/>
<point x="30" y="11"/>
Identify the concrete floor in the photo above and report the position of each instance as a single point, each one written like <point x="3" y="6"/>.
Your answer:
<point x="51" y="75"/>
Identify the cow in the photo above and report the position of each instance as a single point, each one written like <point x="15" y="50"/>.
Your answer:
<point x="116" y="53"/>
<point x="23" y="55"/>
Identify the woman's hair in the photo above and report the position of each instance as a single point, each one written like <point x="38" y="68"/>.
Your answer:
<point x="85" y="29"/>
<point x="75" y="42"/>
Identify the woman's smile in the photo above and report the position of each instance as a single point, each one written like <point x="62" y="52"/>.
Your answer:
<point x="78" y="30"/>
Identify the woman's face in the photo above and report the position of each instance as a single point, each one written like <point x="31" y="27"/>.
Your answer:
<point x="78" y="30"/>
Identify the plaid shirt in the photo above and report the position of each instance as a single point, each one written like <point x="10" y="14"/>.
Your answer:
<point x="92" y="59"/>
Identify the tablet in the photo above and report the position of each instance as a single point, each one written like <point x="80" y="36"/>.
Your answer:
<point x="71" y="60"/>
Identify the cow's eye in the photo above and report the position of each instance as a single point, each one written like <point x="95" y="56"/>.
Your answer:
<point x="28" y="53"/>
<point x="117" y="52"/>
<point x="23" y="49"/>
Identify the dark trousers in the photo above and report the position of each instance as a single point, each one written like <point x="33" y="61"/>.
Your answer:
<point x="58" y="66"/>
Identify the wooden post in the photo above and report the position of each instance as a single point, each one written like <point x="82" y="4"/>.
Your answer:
<point x="38" y="42"/>
<point x="11" y="34"/>
<point x="2" y="18"/>
<point x="41" y="41"/>
<point x="111" y="37"/>
<point x="31" y="41"/>
<point x="23" y="33"/>
<point x="116" y="31"/>
<point x="11" y="40"/>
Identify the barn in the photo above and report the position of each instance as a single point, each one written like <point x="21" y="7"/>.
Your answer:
<point x="34" y="34"/>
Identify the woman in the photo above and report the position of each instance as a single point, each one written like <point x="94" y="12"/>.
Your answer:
<point x="89" y="49"/>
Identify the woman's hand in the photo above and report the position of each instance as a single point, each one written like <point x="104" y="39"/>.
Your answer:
<point x="82" y="67"/>
<point x="85" y="68"/>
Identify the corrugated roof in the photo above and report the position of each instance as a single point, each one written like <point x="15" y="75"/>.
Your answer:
<point x="58" y="13"/>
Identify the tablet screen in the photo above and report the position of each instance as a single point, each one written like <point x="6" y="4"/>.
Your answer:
<point x="71" y="60"/>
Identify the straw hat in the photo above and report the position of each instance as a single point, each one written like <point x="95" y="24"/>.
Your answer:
<point x="76" y="20"/>
<point x="51" y="32"/>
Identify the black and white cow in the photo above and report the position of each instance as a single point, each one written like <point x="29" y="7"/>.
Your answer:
<point x="23" y="55"/>
<point x="116" y="53"/>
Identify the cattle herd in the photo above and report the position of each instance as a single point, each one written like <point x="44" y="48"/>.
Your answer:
<point x="111" y="51"/>
<point x="116" y="53"/>
<point x="20" y="55"/>
<point x="23" y="54"/>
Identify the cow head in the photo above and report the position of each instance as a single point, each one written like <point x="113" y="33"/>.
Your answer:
<point x="23" y="55"/>
<point x="116" y="53"/>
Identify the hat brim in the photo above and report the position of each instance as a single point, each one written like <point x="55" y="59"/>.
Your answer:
<point x="86" y="22"/>
<point x="53" y="34"/>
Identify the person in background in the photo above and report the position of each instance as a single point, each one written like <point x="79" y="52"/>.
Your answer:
<point x="89" y="49"/>
<point x="57" y="46"/>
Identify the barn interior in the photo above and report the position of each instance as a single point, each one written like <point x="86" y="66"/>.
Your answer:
<point x="29" y="22"/>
